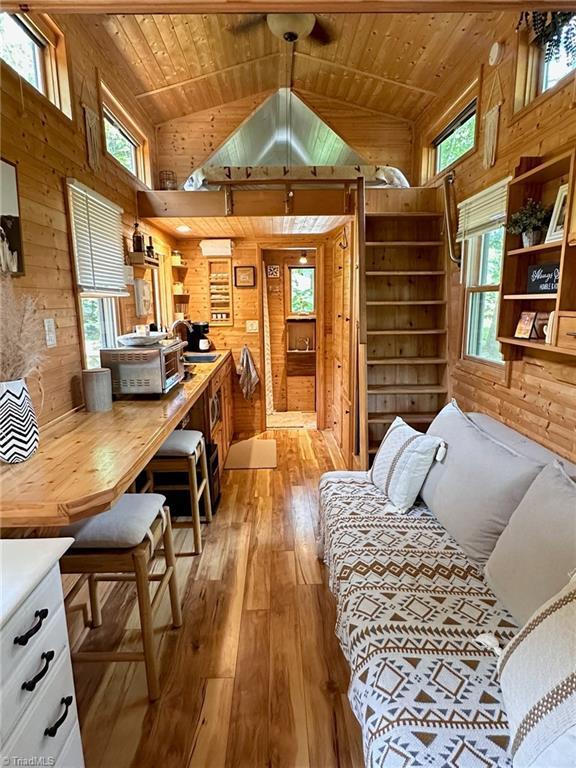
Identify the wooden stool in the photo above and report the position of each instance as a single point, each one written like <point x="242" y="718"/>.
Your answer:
<point x="120" y="545"/>
<point x="180" y="453"/>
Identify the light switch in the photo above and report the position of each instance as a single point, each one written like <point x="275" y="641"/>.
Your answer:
<point x="50" y="332"/>
<point x="251" y="326"/>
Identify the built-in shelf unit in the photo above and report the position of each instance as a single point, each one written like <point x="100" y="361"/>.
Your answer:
<point x="540" y="180"/>
<point x="221" y="292"/>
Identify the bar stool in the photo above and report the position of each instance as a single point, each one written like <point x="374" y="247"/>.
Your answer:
<point x="121" y="545"/>
<point x="180" y="453"/>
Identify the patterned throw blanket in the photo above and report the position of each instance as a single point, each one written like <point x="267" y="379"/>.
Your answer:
<point x="410" y="609"/>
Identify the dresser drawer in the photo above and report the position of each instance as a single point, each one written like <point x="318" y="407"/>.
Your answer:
<point x="567" y="332"/>
<point x="45" y="601"/>
<point x="29" y="744"/>
<point x="15" y="700"/>
<point x="72" y="755"/>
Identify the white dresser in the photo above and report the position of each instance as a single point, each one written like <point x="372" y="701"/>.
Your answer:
<point x="38" y="717"/>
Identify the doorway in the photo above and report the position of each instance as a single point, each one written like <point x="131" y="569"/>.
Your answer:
<point x="290" y="311"/>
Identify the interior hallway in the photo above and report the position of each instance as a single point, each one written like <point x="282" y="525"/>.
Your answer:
<point x="255" y="676"/>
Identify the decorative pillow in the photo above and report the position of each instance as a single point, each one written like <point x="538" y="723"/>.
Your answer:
<point x="478" y="485"/>
<point x="538" y="683"/>
<point x="402" y="463"/>
<point x="536" y="554"/>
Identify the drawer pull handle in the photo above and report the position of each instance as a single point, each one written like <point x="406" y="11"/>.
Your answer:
<point x="41" y="615"/>
<point x="29" y="685"/>
<point x="52" y="730"/>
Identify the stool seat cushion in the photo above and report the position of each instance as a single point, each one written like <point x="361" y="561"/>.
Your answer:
<point x="121" y="527"/>
<point x="182" y="442"/>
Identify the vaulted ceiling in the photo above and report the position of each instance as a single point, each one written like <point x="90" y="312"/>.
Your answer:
<point x="394" y="64"/>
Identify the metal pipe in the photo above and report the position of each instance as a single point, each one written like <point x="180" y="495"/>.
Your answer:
<point x="449" y="180"/>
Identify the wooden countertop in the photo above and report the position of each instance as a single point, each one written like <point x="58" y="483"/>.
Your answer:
<point x="86" y="461"/>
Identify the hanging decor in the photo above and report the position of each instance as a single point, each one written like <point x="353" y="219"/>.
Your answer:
<point x="21" y="349"/>
<point x="492" y="123"/>
<point x="92" y="124"/>
<point x="553" y="32"/>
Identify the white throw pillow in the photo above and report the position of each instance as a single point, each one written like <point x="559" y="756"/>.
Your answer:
<point x="538" y="680"/>
<point x="402" y="463"/>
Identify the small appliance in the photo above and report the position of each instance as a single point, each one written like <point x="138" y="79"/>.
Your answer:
<point x="151" y="370"/>
<point x="198" y="340"/>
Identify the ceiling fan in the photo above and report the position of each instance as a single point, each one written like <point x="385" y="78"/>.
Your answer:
<point x="289" y="27"/>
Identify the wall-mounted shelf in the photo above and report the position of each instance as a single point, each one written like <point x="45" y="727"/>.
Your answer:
<point x="220" y="288"/>
<point x="529" y="296"/>
<point x="536" y="249"/>
<point x="404" y="243"/>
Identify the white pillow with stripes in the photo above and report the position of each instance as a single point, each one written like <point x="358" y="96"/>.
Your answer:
<point x="538" y="679"/>
<point x="402" y="463"/>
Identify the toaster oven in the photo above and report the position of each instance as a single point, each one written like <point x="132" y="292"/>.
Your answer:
<point x="152" y="370"/>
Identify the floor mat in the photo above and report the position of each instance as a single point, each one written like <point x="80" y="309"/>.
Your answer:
<point x="252" y="454"/>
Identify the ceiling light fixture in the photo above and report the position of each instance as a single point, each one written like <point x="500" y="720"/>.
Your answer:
<point x="183" y="228"/>
<point x="303" y="259"/>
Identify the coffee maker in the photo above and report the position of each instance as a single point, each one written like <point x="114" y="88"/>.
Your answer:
<point x="198" y="340"/>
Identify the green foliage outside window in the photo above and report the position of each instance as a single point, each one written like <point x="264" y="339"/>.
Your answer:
<point x="119" y="145"/>
<point x="460" y="141"/>
<point x="20" y="50"/>
<point x="302" y="290"/>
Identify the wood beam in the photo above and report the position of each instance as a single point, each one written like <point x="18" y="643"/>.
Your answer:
<point x="267" y="6"/>
<point x="200" y="78"/>
<point x="364" y="73"/>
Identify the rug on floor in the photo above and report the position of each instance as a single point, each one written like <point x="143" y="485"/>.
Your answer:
<point x="252" y="454"/>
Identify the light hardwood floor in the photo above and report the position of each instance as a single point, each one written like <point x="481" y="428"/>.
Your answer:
<point x="255" y="676"/>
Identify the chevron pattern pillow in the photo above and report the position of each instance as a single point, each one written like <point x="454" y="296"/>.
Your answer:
<point x="402" y="463"/>
<point x="538" y="679"/>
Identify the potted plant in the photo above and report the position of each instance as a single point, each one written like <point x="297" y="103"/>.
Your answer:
<point x="530" y="221"/>
<point x="21" y="350"/>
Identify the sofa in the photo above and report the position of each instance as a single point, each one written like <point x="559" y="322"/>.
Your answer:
<point x="413" y="607"/>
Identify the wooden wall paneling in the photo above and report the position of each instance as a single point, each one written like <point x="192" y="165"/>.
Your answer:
<point x="536" y="393"/>
<point x="48" y="147"/>
<point x="276" y="310"/>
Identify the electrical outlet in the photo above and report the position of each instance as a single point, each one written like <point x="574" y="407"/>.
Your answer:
<point x="251" y="326"/>
<point x="50" y="332"/>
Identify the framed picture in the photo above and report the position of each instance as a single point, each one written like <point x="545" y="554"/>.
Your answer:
<point x="273" y="271"/>
<point x="558" y="220"/>
<point x="11" y="257"/>
<point x="541" y="325"/>
<point x="244" y="277"/>
<point x="525" y="325"/>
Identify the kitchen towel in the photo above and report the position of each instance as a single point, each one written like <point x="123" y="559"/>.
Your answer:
<point x="248" y="374"/>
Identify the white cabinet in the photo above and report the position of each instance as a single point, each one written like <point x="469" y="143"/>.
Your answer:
<point x="38" y="717"/>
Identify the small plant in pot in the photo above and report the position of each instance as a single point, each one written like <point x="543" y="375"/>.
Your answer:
<point x="21" y="350"/>
<point x="530" y="222"/>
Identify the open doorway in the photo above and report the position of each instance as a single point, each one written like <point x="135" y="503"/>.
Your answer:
<point x="291" y="300"/>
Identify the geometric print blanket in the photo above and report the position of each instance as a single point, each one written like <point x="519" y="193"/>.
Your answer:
<point x="410" y="608"/>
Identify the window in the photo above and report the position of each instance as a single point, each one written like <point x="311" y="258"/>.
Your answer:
<point x="120" y="143"/>
<point x="481" y="221"/>
<point x="34" y="47"/>
<point x="484" y="264"/>
<point x="99" y="325"/>
<point x="456" y="139"/>
<point x="302" y="290"/>
<point x="558" y="67"/>
<point x="123" y="139"/>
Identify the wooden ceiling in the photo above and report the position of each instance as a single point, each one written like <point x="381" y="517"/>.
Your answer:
<point x="394" y="64"/>
<point x="249" y="227"/>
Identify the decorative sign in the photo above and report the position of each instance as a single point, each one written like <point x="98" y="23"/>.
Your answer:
<point x="273" y="270"/>
<point x="543" y="278"/>
<point x="244" y="277"/>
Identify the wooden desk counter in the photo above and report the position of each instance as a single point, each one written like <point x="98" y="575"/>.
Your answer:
<point x="86" y="461"/>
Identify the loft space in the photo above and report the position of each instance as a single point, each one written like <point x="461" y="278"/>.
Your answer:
<point x="287" y="384"/>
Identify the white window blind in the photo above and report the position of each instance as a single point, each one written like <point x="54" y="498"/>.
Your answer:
<point x="483" y="212"/>
<point x="97" y="240"/>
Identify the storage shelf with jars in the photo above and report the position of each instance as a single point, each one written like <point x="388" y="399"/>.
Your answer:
<point x="538" y="290"/>
<point x="220" y="292"/>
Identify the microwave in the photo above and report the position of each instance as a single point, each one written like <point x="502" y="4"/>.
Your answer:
<point x="152" y="370"/>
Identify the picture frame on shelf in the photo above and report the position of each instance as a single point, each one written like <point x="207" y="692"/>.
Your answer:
<point x="558" y="220"/>
<point x="525" y="326"/>
<point x="244" y="277"/>
<point x="541" y="322"/>
<point x="11" y="250"/>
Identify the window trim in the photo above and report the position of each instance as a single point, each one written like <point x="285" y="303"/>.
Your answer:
<point x="54" y="60"/>
<point x="289" y="268"/>
<point x="111" y="105"/>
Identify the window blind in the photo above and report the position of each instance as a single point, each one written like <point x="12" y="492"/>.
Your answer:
<point x="483" y="212"/>
<point x="97" y="241"/>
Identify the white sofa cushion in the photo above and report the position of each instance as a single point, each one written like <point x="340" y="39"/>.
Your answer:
<point x="402" y="463"/>
<point x="536" y="554"/>
<point x="476" y="488"/>
<point x="539" y="686"/>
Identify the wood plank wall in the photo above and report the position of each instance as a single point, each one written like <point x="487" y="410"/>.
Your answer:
<point x="47" y="147"/>
<point x="186" y="142"/>
<point x="540" y="398"/>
